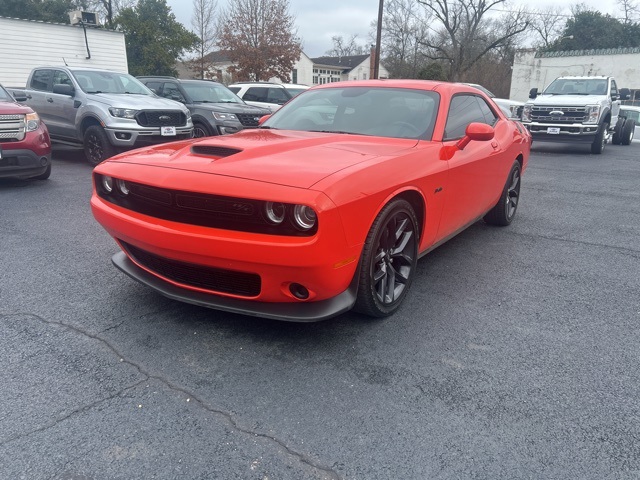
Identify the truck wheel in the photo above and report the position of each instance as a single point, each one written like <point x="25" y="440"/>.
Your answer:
<point x="600" y="141"/>
<point x="96" y="145"/>
<point x="616" y="138"/>
<point x="628" y="131"/>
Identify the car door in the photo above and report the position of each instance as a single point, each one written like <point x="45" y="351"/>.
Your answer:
<point x="62" y="110"/>
<point x="38" y="90"/>
<point x="474" y="173"/>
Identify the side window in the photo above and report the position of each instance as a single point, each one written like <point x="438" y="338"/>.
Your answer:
<point x="171" y="91"/>
<point x="234" y="89"/>
<point x="155" y="86"/>
<point x="61" y="77"/>
<point x="489" y="117"/>
<point x="277" y="95"/>
<point x="41" y="80"/>
<point x="256" y="94"/>
<point x="464" y="109"/>
<point x="614" y="88"/>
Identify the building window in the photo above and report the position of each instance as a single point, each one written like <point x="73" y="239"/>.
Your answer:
<point x="315" y="80"/>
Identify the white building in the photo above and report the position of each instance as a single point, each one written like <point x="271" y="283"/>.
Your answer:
<point x="25" y="44"/>
<point x="538" y="69"/>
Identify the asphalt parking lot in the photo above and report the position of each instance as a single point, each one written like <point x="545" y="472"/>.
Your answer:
<point x="515" y="355"/>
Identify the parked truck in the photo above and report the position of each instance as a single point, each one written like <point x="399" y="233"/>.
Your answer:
<point x="103" y="111"/>
<point x="579" y="110"/>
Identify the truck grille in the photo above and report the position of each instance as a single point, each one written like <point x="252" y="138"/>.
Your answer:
<point x="12" y="128"/>
<point x="248" y="119"/>
<point x="550" y="115"/>
<point x="209" y="278"/>
<point x="161" y="118"/>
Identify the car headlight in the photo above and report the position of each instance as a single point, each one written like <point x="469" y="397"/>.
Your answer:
<point x="275" y="212"/>
<point x="33" y="121"/>
<point x="304" y="217"/>
<point x="526" y="113"/>
<point x="106" y="183"/>
<point x="123" y="112"/>
<point x="224" y="116"/>
<point x="592" y="114"/>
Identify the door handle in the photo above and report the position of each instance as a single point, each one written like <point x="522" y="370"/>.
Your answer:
<point x="494" y="144"/>
<point x="50" y="100"/>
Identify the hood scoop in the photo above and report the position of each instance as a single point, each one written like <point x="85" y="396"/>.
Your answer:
<point x="214" y="151"/>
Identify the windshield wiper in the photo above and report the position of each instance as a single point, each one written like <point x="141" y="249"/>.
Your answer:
<point x="336" y="131"/>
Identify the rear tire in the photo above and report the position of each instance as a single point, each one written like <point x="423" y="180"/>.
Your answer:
<point x="628" y="131"/>
<point x="504" y="211"/>
<point x="97" y="147"/>
<point x="389" y="260"/>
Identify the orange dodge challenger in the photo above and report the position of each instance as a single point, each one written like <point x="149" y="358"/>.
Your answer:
<point x="326" y="207"/>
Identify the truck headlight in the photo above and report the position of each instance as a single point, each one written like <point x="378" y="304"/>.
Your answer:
<point x="123" y="112"/>
<point x="592" y="114"/>
<point x="526" y="113"/>
<point x="33" y="121"/>
<point x="224" y="116"/>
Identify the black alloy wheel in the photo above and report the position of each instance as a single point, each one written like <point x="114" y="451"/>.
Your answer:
<point x="504" y="211"/>
<point x="96" y="145"/>
<point x="389" y="260"/>
<point x="201" y="130"/>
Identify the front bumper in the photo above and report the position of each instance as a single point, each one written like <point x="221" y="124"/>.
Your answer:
<point x="23" y="163"/>
<point x="562" y="133"/>
<point x="130" y="138"/>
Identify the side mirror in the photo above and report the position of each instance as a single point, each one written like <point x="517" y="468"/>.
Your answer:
<point x="533" y="93"/>
<point x="63" y="89"/>
<point x="19" y="96"/>
<point x="625" y="94"/>
<point x="480" y="132"/>
<point x="263" y="119"/>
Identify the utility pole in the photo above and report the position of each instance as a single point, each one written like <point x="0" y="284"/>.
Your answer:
<point x="376" y="64"/>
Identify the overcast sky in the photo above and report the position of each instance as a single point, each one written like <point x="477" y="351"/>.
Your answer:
<point x="319" y="20"/>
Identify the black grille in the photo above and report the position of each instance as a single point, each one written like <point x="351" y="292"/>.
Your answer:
<point x="216" y="211"/>
<point x="161" y="118"/>
<point x="214" y="151"/>
<point x="552" y="115"/>
<point x="249" y="119"/>
<point x="208" y="278"/>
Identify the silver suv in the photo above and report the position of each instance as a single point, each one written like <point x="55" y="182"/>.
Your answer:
<point x="104" y="111"/>
<point x="262" y="94"/>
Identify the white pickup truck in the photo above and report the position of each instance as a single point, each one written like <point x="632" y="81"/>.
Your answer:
<point x="579" y="110"/>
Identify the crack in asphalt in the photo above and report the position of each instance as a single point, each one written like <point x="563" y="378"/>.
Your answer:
<point x="625" y="251"/>
<point x="172" y="386"/>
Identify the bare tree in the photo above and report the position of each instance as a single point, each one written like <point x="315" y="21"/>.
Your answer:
<point x="260" y="38"/>
<point x="466" y="34"/>
<point x="405" y="27"/>
<point x="204" y="26"/>
<point x="547" y="24"/>
<point x="630" y="10"/>
<point x="343" y="47"/>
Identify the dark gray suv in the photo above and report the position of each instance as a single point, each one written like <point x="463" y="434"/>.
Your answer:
<point x="215" y="110"/>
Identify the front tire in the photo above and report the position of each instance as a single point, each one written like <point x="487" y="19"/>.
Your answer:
<point x="389" y="260"/>
<point x="600" y="141"/>
<point x="201" y="130"/>
<point x="504" y="211"/>
<point x="97" y="147"/>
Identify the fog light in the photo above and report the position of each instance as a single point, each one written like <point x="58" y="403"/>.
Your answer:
<point x="299" y="291"/>
<point x="44" y="161"/>
<point x="123" y="136"/>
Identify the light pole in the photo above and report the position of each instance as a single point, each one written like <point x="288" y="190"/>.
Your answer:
<point x="376" y="62"/>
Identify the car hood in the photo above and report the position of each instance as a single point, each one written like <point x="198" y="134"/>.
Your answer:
<point x="233" y="108"/>
<point x="137" y="102"/>
<point x="10" y="108"/>
<point x="553" y="100"/>
<point x="292" y="158"/>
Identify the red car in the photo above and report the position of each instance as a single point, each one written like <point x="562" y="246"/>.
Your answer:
<point x="25" y="147"/>
<point x="326" y="207"/>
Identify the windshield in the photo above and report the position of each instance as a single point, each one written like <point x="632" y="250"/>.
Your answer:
<point x="577" y="86"/>
<point x="385" y="112"/>
<point x="209" y="92"/>
<point x="110" y="82"/>
<point x="4" y="95"/>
